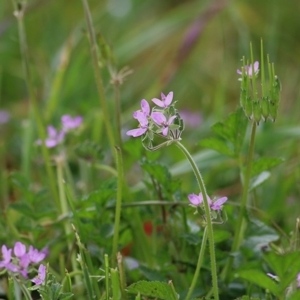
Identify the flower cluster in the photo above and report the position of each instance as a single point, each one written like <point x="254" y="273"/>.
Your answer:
<point x="17" y="260"/>
<point x="55" y="137"/>
<point x="197" y="200"/>
<point x="163" y="120"/>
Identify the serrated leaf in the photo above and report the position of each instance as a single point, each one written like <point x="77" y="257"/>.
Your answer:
<point x="285" y="266"/>
<point x="259" y="278"/>
<point x="217" y="145"/>
<point x="258" y="180"/>
<point x="264" y="164"/>
<point x="155" y="289"/>
<point x="233" y="129"/>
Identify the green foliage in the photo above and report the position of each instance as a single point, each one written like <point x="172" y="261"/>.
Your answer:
<point x="160" y="290"/>
<point x="230" y="133"/>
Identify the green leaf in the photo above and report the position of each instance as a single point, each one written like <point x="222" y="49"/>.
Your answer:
<point x="221" y="235"/>
<point x="248" y="298"/>
<point x="155" y="289"/>
<point x="233" y="129"/>
<point x="264" y="164"/>
<point x="259" y="235"/>
<point x="295" y="296"/>
<point x="259" y="278"/>
<point x="218" y="145"/>
<point x="285" y="266"/>
<point x="258" y="180"/>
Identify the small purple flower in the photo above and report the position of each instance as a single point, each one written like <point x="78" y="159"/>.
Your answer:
<point x="54" y="137"/>
<point x="145" y="109"/>
<point x="248" y="70"/>
<point x="4" y="116"/>
<point x="197" y="200"/>
<point x="35" y="256"/>
<point x="40" y="278"/>
<point x="161" y="120"/>
<point x="19" y="249"/>
<point x="165" y="100"/>
<point x="143" y="120"/>
<point x="298" y="280"/>
<point x="69" y="123"/>
<point x="6" y="262"/>
<point x="217" y="205"/>
<point x="6" y="254"/>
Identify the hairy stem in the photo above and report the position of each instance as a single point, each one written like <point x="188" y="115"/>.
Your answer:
<point x="208" y="220"/>
<point x="199" y="264"/>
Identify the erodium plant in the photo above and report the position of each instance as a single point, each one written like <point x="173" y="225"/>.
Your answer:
<point x="162" y="126"/>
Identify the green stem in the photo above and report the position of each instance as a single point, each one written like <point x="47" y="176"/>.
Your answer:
<point x="241" y="222"/>
<point x="19" y="13"/>
<point x="119" y="162"/>
<point x="208" y="220"/>
<point x="199" y="264"/>
<point x="118" y="113"/>
<point x="65" y="210"/>
<point x="95" y="59"/>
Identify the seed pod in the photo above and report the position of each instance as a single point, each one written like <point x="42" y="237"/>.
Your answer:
<point x="265" y="108"/>
<point x="243" y="98"/>
<point x="248" y="107"/>
<point x="273" y="110"/>
<point x="256" y="111"/>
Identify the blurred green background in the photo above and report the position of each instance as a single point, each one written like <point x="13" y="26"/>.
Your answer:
<point x="190" y="47"/>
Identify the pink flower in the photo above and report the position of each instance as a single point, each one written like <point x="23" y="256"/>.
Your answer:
<point x="70" y="123"/>
<point x="54" y="137"/>
<point x="145" y="109"/>
<point x="160" y="119"/>
<point x="248" y="70"/>
<point x="19" y="249"/>
<point x="165" y="100"/>
<point x="143" y="120"/>
<point x="40" y="278"/>
<point x="197" y="200"/>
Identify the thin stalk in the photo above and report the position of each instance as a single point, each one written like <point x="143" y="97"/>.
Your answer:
<point x="95" y="60"/>
<point x="241" y="222"/>
<point x="65" y="210"/>
<point x="208" y="220"/>
<point x="19" y="13"/>
<point x="118" y="113"/>
<point x="198" y="267"/>
<point x="119" y="162"/>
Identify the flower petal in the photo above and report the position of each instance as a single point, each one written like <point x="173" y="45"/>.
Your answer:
<point x="168" y="99"/>
<point x="195" y="199"/>
<point x="136" y="132"/>
<point x="158" y="117"/>
<point x="158" y="102"/>
<point x="145" y="107"/>
<point x="218" y="204"/>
